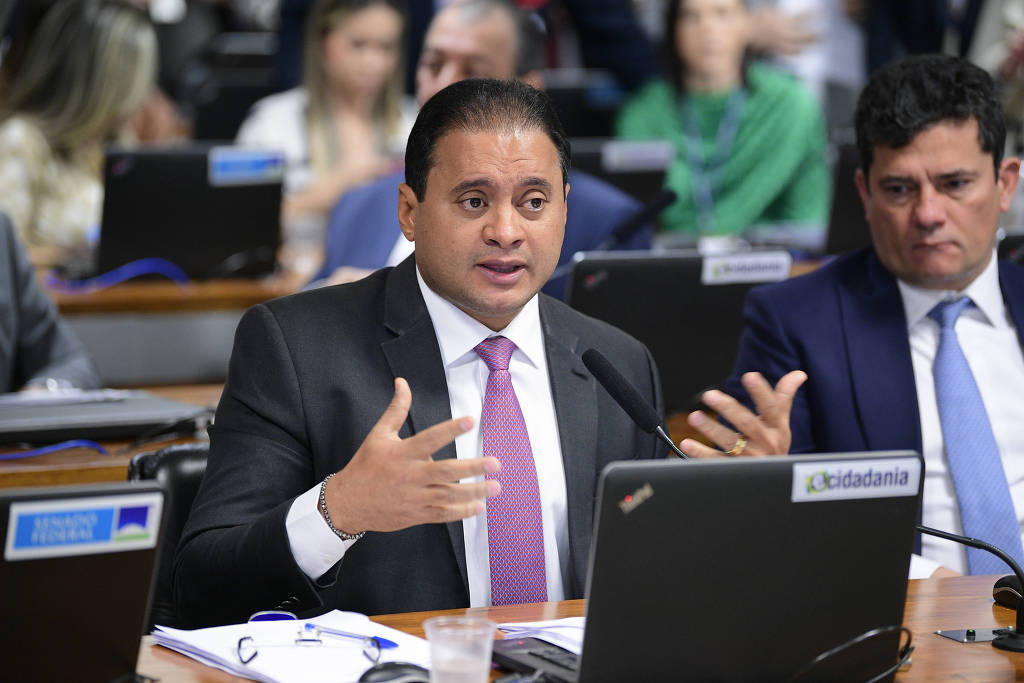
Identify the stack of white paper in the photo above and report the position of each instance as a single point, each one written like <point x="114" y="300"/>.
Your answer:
<point x="280" y="659"/>
<point x="565" y="633"/>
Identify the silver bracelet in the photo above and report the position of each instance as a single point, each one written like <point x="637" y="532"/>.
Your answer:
<point x="327" y="516"/>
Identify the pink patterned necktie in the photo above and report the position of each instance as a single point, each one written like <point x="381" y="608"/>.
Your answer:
<point x="515" y="527"/>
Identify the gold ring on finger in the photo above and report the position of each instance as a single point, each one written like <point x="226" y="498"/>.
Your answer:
<point x="738" y="447"/>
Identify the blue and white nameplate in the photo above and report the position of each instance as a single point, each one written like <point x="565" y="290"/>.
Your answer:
<point x="244" y="166"/>
<point x="767" y="266"/>
<point x="848" y="479"/>
<point x="83" y="526"/>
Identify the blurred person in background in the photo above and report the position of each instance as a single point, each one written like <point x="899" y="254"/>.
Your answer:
<point x="750" y="140"/>
<point x="37" y="350"/>
<point x="87" y="68"/>
<point x="349" y="121"/>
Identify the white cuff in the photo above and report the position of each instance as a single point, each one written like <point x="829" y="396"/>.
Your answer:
<point x="314" y="546"/>
<point x="920" y="568"/>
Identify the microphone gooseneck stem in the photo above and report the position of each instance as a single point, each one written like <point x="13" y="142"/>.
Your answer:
<point x="1012" y="641"/>
<point x="671" y="444"/>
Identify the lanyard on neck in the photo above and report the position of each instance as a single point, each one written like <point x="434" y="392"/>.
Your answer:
<point x="707" y="174"/>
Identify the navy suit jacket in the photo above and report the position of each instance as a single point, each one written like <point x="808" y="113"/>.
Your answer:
<point x="363" y="226"/>
<point x="844" y="325"/>
<point x="310" y="374"/>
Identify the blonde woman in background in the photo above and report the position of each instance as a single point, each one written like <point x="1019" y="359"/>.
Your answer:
<point x="348" y="123"/>
<point x="88" y="68"/>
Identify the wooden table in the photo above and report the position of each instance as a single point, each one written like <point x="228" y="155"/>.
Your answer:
<point x="931" y="604"/>
<point x="84" y="466"/>
<point x="163" y="296"/>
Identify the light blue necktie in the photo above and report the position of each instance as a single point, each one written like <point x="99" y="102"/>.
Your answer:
<point x="986" y="509"/>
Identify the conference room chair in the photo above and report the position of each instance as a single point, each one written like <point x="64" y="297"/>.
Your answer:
<point x="179" y="468"/>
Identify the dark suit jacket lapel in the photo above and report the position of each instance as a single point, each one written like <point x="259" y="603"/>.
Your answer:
<point x="415" y="355"/>
<point x="1011" y="282"/>
<point x="573" y="391"/>
<point x="881" y="371"/>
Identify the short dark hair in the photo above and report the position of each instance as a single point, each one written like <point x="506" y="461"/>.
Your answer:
<point x="479" y="105"/>
<point x="906" y="97"/>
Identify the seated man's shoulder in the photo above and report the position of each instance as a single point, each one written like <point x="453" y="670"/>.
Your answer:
<point x="853" y="268"/>
<point x="383" y="187"/>
<point x="1012" y="269"/>
<point x="598" y="194"/>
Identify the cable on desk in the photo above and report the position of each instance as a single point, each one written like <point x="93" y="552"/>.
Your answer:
<point x="62" y="446"/>
<point x="173" y="429"/>
<point x="133" y="269"/>
<point x="902" y="658"/>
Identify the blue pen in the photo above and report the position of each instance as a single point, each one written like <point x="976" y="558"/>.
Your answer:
<point x="384" y="643"/>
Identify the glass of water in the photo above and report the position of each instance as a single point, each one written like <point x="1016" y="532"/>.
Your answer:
<point x="460" y="649"/>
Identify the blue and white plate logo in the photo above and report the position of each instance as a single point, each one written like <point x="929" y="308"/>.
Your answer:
<point x="244" y="166"/>
<point x="83" y="526"/>
<point x="847" y="479"/>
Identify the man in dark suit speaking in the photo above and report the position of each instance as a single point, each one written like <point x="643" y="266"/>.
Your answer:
<point x="914" y="343"/>
<point x="337" y="476"/>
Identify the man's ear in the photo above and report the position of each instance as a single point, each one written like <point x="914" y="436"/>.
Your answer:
<point x="1009" y="175"/>
<point x="407" y="209"/>
<point x="565" y="205"/>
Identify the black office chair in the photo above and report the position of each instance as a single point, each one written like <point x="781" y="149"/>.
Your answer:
<point x="180" y="469"/>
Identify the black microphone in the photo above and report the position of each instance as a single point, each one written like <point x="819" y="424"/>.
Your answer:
<point x="1011" y="640"/>
<point x="628" y="398"/>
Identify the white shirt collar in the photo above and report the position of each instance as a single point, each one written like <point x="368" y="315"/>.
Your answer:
<point x="984" y="292"/>
<point x="458" y="333"/>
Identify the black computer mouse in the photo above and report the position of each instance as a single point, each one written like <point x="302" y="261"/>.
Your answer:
<point x="1006" y="591"/>
<point x="396" y="672"/>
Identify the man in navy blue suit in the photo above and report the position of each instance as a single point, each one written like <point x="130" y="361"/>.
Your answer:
<point x="477" y="38"/>
<point x="850" y="347"/>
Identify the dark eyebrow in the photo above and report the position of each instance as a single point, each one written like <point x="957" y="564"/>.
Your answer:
<point x="472" y="185"/>
<point x="536" y="182"/>
<point x="958" y="173"/>
<point x="906" y="180"/>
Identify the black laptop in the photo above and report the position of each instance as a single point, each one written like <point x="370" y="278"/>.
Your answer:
<point x="743" y="569"/>
<point x="686" y="308"/>
<point x="75" y="579"/>
<point x="637" y="167"/>
<point x="99" y="414"/>
<point x="212" y="211"/>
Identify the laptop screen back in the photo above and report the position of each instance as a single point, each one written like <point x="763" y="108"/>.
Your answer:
<point x="212" y="211"/>
<point x="746" y="569"/>
<point x="686" y="308"/>
<point x="76" y="576"/>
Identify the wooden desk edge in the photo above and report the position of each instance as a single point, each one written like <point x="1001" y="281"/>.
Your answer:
<point x="931" y="604"/>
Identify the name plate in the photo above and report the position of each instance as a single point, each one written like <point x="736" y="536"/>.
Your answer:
<point x="846" y="479"/>
<point x="83" y="526"/>
<point x="244" y="166"/>
<point x="769" y="266"/>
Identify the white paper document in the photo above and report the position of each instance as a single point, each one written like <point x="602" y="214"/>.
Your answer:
<point x="565" y="633"/>
<point x="280" y="659"/>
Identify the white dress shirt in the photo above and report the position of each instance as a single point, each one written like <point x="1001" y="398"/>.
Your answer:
<point x="316" y="548"/>
<point x="989" y="340"/>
